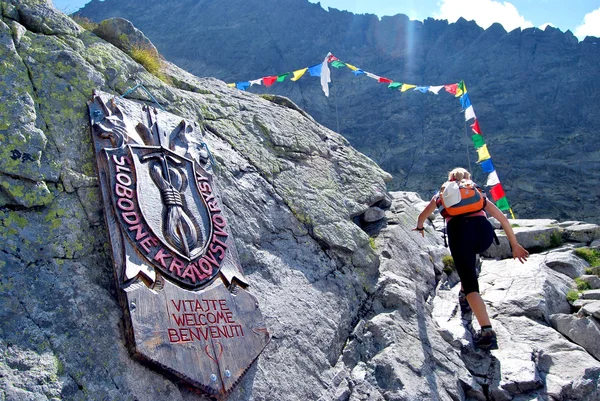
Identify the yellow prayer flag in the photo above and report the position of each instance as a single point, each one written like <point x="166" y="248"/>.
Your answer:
<point x="461" y="89"/>
<point x="406" y="87"/>
<point x="353" y="68"/>
<point x="483" y="153"/>
<point x="231" y="85"/>
<point x="298" y="74"/>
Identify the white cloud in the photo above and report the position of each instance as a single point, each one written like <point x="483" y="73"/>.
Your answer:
<point x="590" y="25"/>
<point x="483" y="12"/>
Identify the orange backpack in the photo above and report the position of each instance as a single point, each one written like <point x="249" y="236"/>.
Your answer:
<point x="460" y="198"/>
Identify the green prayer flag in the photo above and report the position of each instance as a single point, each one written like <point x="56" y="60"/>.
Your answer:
<point x="502" y="203"/>
<point x="337" y="64"/>
<point x="395" y="85"/>
<point x="282" y="77"/>
<point x="478" y="141"/>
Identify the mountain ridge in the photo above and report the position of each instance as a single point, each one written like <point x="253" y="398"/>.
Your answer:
<point x="533" y="90"/>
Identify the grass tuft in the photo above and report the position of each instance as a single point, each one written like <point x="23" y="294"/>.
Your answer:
<point x="592" y="256"/>
<point x="148" y="58"/>
<point x="449" y="266"/>
<point x="84" y="22"/>
<point x="572" y="296"/>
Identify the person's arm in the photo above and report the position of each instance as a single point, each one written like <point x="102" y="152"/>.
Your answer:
<point x="517" y="250"/>
<point x="430" y="208"/>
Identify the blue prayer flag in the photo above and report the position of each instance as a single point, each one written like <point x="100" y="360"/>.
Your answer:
<point x="465" y="101"/>
<point x="487" y="166"/>
<point x="315" y="70"/>
<point x="422" y="89"/>
<point x="358" y="72"/>
<point x="242" y="85"/>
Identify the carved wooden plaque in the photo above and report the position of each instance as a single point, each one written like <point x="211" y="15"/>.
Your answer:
<point x="187" y="307"/>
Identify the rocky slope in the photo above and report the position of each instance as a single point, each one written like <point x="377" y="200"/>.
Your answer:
<point x="356" y="311"/>
<point x="533" y="91"/>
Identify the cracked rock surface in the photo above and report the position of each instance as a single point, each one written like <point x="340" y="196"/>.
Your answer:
<point x="353" y="316"/>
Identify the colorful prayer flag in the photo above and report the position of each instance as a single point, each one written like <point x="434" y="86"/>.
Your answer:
<point x="435" y="89"/>
<point x="385" y="80"/>
<point x="376" y="77"/>
<point x="325" y="76"/>
<point x="353" y="68"/>
<point x="422" y="89"/>
<point x="242" y="85"/>
<point x="358" y="72"/>
<point x="503" y="205"/>
<point x="282" y="77"/>
<point x="395" y="85"/>
<point x="475" y="127"/>
<point x="406" y="87"/>
<point x="487" y="166"/>
<point x="256" y="82"/>
<point x="478" y="141"/>
<point x="231" y="85"/>
<point x="483" y="154"/>
<point x="337" y="64"/>
<point x="268" y="81"/>
<point x="497" y="192"/>
<point x="315" y="70"/>
<point x="331" y="58"/>
<point x="465" y="101"/>
<point x="298" y="74"/>
<point x="469" y="113"/>
<point x="451" y="88"/>
<point x="492" y="179"/>
<point x="461" y="89"/>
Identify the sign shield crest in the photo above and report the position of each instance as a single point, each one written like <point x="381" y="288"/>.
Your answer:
<point x="182" y="287"/>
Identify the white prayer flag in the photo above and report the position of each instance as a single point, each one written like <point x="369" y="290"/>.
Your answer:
<point x="325" y="75"/>
<point x="492" y="179"/>
<point x="469" y="113"/>
<point x="256" y="82"/>
<point x="435" y="89"/>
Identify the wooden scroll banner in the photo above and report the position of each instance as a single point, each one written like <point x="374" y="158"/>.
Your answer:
<point x="182" y="287"/>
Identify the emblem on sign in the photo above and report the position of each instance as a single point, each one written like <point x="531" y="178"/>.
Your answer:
<point x="183" y="288"/>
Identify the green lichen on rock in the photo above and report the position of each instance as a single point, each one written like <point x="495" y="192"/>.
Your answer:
<point x="26" y="193"/>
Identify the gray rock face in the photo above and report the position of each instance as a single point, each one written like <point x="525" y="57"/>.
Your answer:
<point x="353" y="316"/>
<point x="584" y="331"/>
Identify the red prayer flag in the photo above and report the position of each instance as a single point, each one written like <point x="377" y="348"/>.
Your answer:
<point x="475" y="127"/>
<point x="331" y="58"/>
<point x="497" y="192"/>
<point x="268" y="81"/>
<point x="451" y="88"/>
<point x="385" y="80"/>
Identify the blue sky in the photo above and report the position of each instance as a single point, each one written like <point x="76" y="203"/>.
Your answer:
<point x="582" y="17"/>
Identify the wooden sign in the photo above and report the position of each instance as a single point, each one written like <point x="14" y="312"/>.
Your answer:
<point x="187" y="307"/>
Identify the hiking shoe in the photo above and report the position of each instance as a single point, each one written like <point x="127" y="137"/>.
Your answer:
<point x="463" y="303"/>
<point x="485" y="339"/>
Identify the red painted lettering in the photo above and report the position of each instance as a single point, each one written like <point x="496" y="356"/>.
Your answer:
<point x="125" y="204"/>
<point x="204" y="187"/>
<point x="214" y="333"/>
<point x="146" y="243"/>
<point x="178" y="319"/>
<point x="217" y="250"/>
<point x="124" y="179"/>
<point x="223" y="304"/>
<point x="130" y="217"/>
<point x="173" y="336"/>
<point x="160" y="257"/>
<point x="177" y="305"/>
<point x="121" y="161"/>
<point x="122" y="191"/>
<point x="219" y="220"/>
<point x="184" y="335"/>
<point x="229" y="318"/>
<point x="177" y="264"/>
<point x="205" y="266"/>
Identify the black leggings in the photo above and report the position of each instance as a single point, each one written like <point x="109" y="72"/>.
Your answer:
<point x="468" y="236"/>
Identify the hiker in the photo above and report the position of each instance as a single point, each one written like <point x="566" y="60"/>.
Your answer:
<point x="470" y="233"/>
